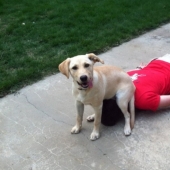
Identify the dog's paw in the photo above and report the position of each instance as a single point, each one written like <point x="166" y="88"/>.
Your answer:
<point x="90" y="118"/>
<point x="75" y="130"/>
<point x="127" y="131"/>
<point x="94" y="135"/>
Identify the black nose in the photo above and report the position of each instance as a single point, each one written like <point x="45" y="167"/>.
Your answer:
<point x="83" y="78"/>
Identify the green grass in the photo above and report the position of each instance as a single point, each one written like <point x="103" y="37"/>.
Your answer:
<point x="57" y="29"/>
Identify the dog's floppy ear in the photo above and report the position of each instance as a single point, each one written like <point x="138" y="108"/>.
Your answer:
<point x="94" y="58"/>
<point x="64" y="67"/>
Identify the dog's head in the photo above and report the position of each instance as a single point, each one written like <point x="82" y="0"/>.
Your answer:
<point x="80" y="68"/>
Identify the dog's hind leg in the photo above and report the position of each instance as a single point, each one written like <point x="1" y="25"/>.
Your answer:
<point x="80" y="110"/>
<point x="91" y="118"/>
<point x="122" y="101"/>
<point x="132" y="112"/>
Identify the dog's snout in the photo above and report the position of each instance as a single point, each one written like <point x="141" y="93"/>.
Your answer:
<point x="83" y="78"/>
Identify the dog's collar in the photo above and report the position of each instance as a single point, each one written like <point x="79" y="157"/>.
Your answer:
<point x="82" y="89"/>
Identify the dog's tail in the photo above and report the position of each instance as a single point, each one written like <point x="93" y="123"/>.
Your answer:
<point x="132" y="112"/>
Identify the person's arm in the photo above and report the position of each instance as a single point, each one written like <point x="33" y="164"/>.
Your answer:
<point x="164" y="102"/>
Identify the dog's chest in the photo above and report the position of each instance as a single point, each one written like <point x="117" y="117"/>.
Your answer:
<point x="83" y="97"/>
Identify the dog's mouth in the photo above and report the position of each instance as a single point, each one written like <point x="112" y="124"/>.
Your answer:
<point x="86" y="85"/>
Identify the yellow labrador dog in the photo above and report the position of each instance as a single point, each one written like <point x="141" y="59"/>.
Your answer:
<point x="92" y="85"/>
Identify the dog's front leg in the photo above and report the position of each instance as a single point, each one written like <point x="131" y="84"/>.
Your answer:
<point x="95" y="133"/>
<point x="80" y="110"/>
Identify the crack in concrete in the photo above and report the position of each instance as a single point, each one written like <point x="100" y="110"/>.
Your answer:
<point x="45" y="112"/>
<point x="33" y="137"/>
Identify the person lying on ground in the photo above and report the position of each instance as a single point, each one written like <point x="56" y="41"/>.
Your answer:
<point x="152" y="83"/>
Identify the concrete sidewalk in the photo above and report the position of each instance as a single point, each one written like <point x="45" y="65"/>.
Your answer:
<point x="35" y="124"/>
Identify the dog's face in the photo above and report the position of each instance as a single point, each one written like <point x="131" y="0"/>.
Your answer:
<point x="80" y="68"/>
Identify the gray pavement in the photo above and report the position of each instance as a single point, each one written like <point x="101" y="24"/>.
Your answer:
<point x="35" y="123"/>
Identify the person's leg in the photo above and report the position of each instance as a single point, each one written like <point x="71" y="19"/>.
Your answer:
<point x="111" y="113"/>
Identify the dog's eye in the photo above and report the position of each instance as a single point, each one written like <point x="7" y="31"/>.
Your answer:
<point x="86" y="65"/>
<point x="75" y="68"/>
